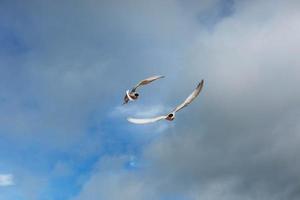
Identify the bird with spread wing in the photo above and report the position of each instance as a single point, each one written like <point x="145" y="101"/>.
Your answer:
<point x="171" y="115"/>
<point x="133" y="95"/>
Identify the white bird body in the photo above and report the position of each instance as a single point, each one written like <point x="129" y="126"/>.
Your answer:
<point x="128" y="95"/>
<point x="132" y="95"/>
<point x="171" y="115"/>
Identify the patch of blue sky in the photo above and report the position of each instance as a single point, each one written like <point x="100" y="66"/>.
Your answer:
<point x="62" y="188"/>
<point x="11" y="43"/>
<point x="117" y="140"/>
<point x="10" y="193"/>
<point x="31" y="156"/>
<point x="43" y="164"/>
<point x="176" y="196"/>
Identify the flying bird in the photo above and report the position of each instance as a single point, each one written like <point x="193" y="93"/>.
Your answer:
<point x="171" y="115"/>
<point x="133" y="95"/>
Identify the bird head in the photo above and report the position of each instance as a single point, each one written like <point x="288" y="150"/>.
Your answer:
<point x="135" y="95"/>
<point x="171" y="116"/>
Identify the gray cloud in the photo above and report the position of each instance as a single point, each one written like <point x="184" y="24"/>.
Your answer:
<point x="65" y="73"/>
<point x="240" y="139"/>
<point x="69" y="61"/>
<point x="110" y="181"/>
<point x="63" y="66"/>
<point x="250" y="92"/>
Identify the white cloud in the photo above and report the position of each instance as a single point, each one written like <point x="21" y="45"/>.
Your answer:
<point x="6" y="180"/>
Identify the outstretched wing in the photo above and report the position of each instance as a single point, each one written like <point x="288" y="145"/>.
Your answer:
<point x="145" y="121"/>
<point x="190" y="98"/>
<point x="146" y="81"/>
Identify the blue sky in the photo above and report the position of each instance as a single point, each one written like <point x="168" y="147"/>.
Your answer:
<point x="64" y="68"/>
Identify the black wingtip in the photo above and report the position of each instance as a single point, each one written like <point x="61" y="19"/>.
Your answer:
<point x="201" y="82"/>
<point x="200" y="85"/>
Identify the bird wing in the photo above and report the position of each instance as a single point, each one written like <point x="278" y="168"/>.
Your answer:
<point x="145" y="121"/>
<point x="191" y="97"/>
<point x="146" y="81"/>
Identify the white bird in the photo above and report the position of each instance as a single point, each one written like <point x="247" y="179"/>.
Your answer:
<point x="171" y="115"/>
<point x="133" y="95"/>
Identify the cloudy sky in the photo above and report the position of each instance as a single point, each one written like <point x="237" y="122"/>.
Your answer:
<point x="64" y="68"/>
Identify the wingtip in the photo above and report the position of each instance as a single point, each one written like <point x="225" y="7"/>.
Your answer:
<point x="132" y="120"/>
<point x="129" y="119"/>
<point x="201" y="83"/>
